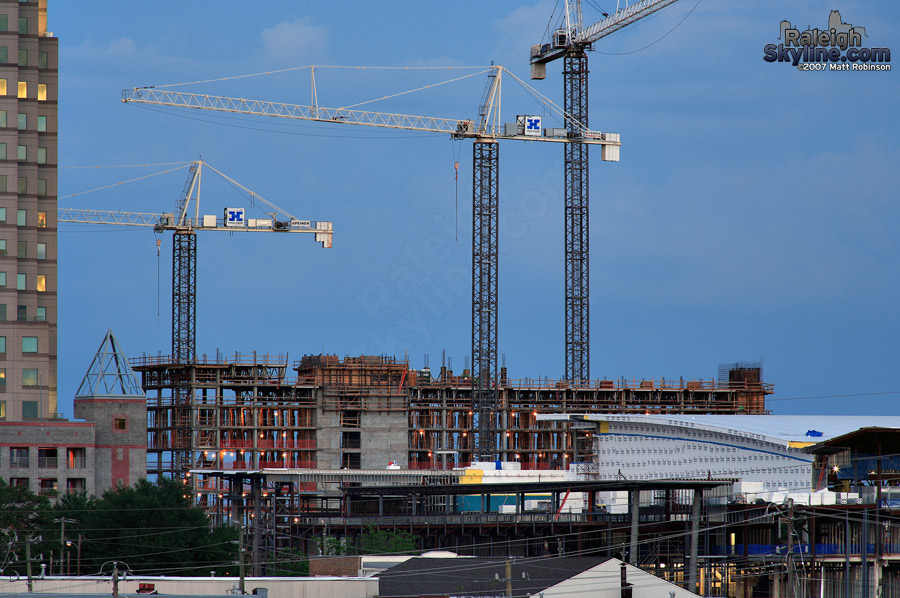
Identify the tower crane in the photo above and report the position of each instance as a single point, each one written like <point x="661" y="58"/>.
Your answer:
<point x="184" y="244"/>
<point x="571" y="42"/>
<point x="485" y="131"/>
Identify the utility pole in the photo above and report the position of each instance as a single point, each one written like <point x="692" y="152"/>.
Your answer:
<point x="62" y="521"/>
<point x="115" y="580"/>
<point x="508" y="578"/>
<point x="28" y="564"/>
<point x="241" y="557"/>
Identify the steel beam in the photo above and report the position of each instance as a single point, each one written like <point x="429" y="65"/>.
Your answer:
<point x="485" y="227"/>
<point x="575" y="81"/>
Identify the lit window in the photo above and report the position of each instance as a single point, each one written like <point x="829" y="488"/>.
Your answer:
<point x="42" y="123"/>
<point x="21" y="218"/>
<point x="41" y="283"/>
<point x="2" y="87"/>
<point x="23" y="89"/>
<point x="23" y="58"/>
<point x="40" y="315"/>
<point x="42" y="155"/>
<point x="23" y="25"/>
<point x="42" y="60"/>
<point x="29" y="344"/>
<point x="20" y="282"/>
<point x="42" y="186"/>
<point x="4" y="54"/>
<point x="41" y="252"/>
<point x="42" y="92"/>
<point x="42" y="219"/>
<point x="2" y="409"/>
<point x="22" y="154"/>
<point x="30" y="378"/>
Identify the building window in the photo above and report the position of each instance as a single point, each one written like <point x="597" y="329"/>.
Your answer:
<point x="48" y="486"/>
<point x="2" y="344"/>
<point x="23" y="58"/>
<point x="42" y="155"/>
<point x="21" y="217"/>
<point x="76" y="485"/>
<point x="42" y="92"/>
<point x="21" y="282"/>
<point x="4" y="54"/>
<point x="29" y="378"/>
<point x="3" y="189"/>
<point x="42" y="123"/>
<point x="23" y="25"/>
<point x="3" y="89"/>
<point x="42" y="60"/>
<point x="23" y="185"/>
<point x="3" y="221"/>
<point x="42" y="219"/>
<point x="120" y="424"/>
<point x="2" y="312"/>
<point x="22" y="123"/>
<point x="76" y="458"/>
<point x="2" y="379"/>
<point x="3" y="276"/>
<point x="18" y="457"/>
<point x="48" y="458"/>
<point x="2" y="410"/>
<point x="42" y="186"/>
<point x="23" y="89"/>
<point x="41" y="252"/>
<point x="29" y="344"/>
<point x="22" y="247"/>
<point x="4" y="22"/>
<point x="41" y="284"/>
<point x="3" y="112"/>
<point x="40" y="315"/>
<point x="22" y="154"/>
<point x="2" y="151"/>
<point x="18" y="482"/>
<point x="21" y="313"/>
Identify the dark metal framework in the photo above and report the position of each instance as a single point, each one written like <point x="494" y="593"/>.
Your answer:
<point x="485" y="217"/>
<point x="184" y="296"/>
<point x="578" y="350"/>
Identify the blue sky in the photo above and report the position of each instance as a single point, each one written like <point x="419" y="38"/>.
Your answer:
<point x="749" y="219"/>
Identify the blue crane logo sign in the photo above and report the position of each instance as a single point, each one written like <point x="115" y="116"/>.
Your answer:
<point x="533" y="126"/>
<point x="234" y="217"/>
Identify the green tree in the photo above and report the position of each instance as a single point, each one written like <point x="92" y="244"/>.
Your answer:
<point x="25" y="518"/>
<point x="153" y="528"/>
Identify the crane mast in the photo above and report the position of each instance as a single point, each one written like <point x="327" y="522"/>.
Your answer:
<point x="571" y="43"/>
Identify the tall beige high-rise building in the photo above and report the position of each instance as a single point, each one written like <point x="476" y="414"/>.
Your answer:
<point x="28" y="186"/>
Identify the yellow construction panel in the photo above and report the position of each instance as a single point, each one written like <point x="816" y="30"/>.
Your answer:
<point x="471" y="476"/>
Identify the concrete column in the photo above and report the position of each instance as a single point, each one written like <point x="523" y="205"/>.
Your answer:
<point x="695" y="541"/>
<point x="634" y="506"/>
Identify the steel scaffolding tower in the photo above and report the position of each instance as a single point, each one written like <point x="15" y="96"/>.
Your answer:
<point x="485" y="215"/>
<point x="578" y="346"/>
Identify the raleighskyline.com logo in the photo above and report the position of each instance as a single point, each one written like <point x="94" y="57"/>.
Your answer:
<point x="837" y="48"/>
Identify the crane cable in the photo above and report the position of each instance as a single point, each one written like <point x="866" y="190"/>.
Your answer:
<point x="455" y="150"/>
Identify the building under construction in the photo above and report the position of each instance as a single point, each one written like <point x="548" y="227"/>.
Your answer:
<point x="257" y="411"/>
